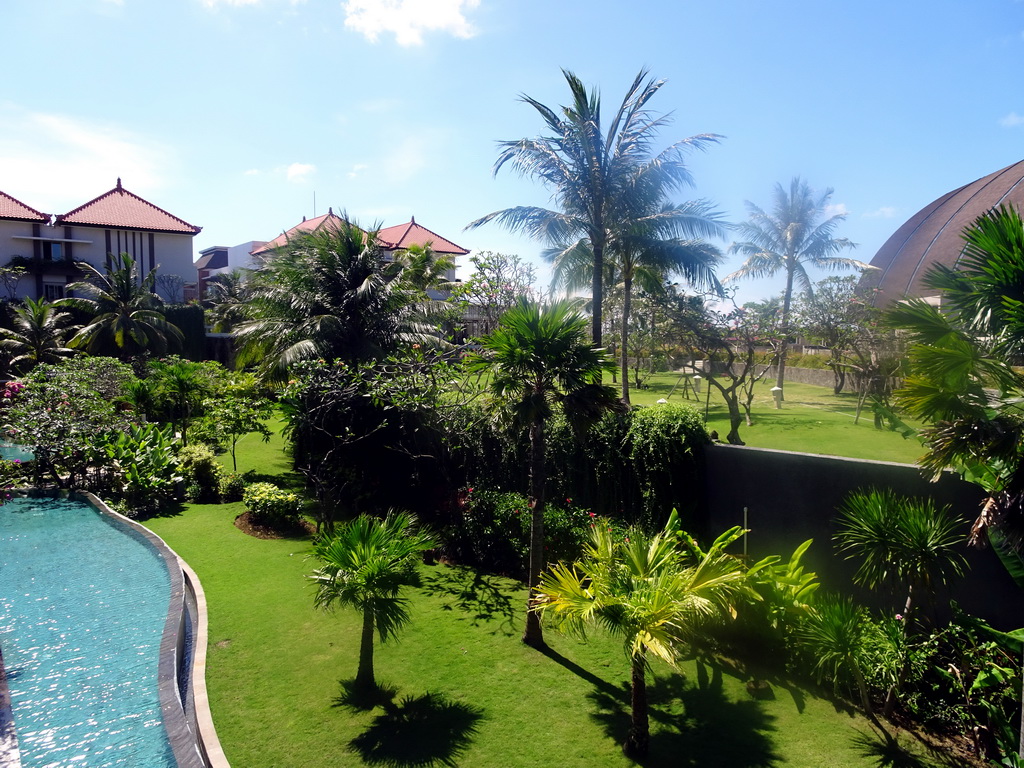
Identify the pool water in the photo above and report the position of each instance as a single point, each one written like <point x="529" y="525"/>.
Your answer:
<point x="83" y="603"/>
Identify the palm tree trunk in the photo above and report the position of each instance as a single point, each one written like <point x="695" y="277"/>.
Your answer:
<point x="364" y="676"/>
<point x="787" y="301"/>
<point x="627" y="300"/>
<point x="638" y="740"/>
<point x="533" y="635"/>
<point x="597" y="291"/>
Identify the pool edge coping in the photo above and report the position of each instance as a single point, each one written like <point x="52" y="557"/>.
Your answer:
<point x="206" y="743"/>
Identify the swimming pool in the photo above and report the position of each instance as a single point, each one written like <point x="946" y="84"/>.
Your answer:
<point x="84" y="626"/>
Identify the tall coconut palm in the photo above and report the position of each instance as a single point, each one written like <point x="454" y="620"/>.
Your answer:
<point x="126" y="312"/>
<point x="652" y="591"/>
<point x="587" y="168"/>
<point x="539" y="358"/>
<point x="656" y="241"/>
<point x="38" y="336"/>
<point x="364" y="565"/>
<point x="327" y="295"/>
<point x="797" y="233"/>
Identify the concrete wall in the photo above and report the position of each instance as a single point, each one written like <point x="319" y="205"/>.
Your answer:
<point x="791" y="497"/>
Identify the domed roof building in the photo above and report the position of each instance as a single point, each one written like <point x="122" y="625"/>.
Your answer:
<point x="933" y="234"/>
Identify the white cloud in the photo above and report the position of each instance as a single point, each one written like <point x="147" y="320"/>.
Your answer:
<point x="408" y="19"/>
<point x="300" y="171"/>
<point x="1011" y="120"/>
<point x="836" y="209"/>
<point x="406" y="159"/>
<point x="252" y="172"/>
<point x="357" y="170"/>
<point x="884" y="212"/>
<point x="55" y="162"/>
<point x="232" y="3"/>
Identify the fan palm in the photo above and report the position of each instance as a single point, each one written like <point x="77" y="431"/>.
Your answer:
<point x="587" y="168"/>
<point x="652" y="591"/>
<point x="38" y="335"/>
<point x="539" y="358"/>
<point x="793" y="236"/>
<point x="126" y="313"/>
<point x="326" y="295"/>
<point x="364" y="565"/>
<point x="656" y="241"/>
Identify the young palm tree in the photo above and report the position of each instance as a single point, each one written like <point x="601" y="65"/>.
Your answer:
<point x="655" y="242"/>
<point x="588" y="168"/>
<point x="652" y="591"/>
<point x="539" y="358"/>
<point x="793" y="236"/>
<point x="226" y="297"/>
<point x="364" y="565"/>
<point x="38" y="336"/>
<point x="127" y="318"/>
<point x="327" y="295"/>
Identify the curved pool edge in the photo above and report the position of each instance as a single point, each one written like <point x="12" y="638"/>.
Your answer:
<point x="193" y="746"/>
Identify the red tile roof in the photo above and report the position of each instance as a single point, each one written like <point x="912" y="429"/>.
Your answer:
<point x="121" y="209"/>
<point x="411" y="233"/>
<point x="329" y="221"/>
<point x="15" y="209"/>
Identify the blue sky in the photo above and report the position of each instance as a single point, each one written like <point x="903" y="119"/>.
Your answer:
<point x="234" y="114"/>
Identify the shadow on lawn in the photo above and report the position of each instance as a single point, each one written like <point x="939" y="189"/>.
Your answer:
<point x="422" y="730"/>
<point x="484" y="597"/>
<point x="693" y="724"/>
<point x="893" y="754"/>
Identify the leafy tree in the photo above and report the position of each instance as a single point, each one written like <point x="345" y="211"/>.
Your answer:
<point x="181" y="388"/>
<point x="655" y="592"/>
<point x="587" y="169"/>
<point x="794" y="235"/>
<point x="326" y="295"/>
<point x="497" y="283"/>
<point x="831" y="315"/>
<point x="39" y="334"/>
<point x="234" y="410"/>
<point x="10" y="277"/>
<point x="126" y="314"/>
<point x="538" y="358"/>
<point x="364" y="565"/>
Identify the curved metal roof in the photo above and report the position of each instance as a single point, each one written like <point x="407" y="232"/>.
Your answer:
<point x="933" y="234"/>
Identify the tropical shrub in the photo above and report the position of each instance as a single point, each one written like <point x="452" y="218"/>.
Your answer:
<point x="271" y="506"/>
<point x="202" y="473"/>
<point x="139" y="467"/>
<point x="233" y="484"/>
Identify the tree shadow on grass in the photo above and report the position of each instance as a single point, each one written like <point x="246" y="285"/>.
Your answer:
<point x="693" y="724"/>
<point x="483" y="597"/>
<point x="893" y="754"/>
<point x="425" y="730"/>
<point x="359" y="698"/>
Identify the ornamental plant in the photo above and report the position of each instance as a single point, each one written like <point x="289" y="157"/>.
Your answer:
<point x="272" y="506"/>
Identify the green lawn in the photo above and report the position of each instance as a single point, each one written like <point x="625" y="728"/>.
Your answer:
<point x="466" y="690"/>
<point x="811" y="420"/>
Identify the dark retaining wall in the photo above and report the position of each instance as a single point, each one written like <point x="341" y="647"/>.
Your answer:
<point x="791" y="497"/>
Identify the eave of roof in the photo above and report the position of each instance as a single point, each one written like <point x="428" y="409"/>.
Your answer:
<point x="404" y="235"/>
<point x="11" y="208"/>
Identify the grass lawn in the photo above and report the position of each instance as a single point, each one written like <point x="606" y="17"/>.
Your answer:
<point x="465" y="690"/>
<point x="811" y="420"/>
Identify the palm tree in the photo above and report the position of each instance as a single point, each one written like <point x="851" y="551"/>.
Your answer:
<point x="652" y="591"/>
<point x="226" y="296"/>
<point x="588" y="168"/>
<point x="38" y="335"/>
<point x="656" y="241"/>
<point x="793" y="236"/>
<point x="127" y="318"/>
<point x="326" y="295"/>
<point x="364" y="565"/>
<point x="538" y="357"/>
<point x="424" y="269"/>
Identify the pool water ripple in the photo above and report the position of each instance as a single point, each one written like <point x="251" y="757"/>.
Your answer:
<point x="82" y="611"/>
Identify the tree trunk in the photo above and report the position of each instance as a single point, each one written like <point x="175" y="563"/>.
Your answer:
<point x="597" y="291"/>
<point x="532" y="635"/>
<point x="639" y="737"/>
<point x="364" y="676"/>
<point x="786" y="301"/>
<point x="627" y="287"/>
<point x="735" y="416"/>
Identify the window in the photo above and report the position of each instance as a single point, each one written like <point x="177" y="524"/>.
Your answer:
<point x="53" y="291"/>
<point x="52" y="251"/>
